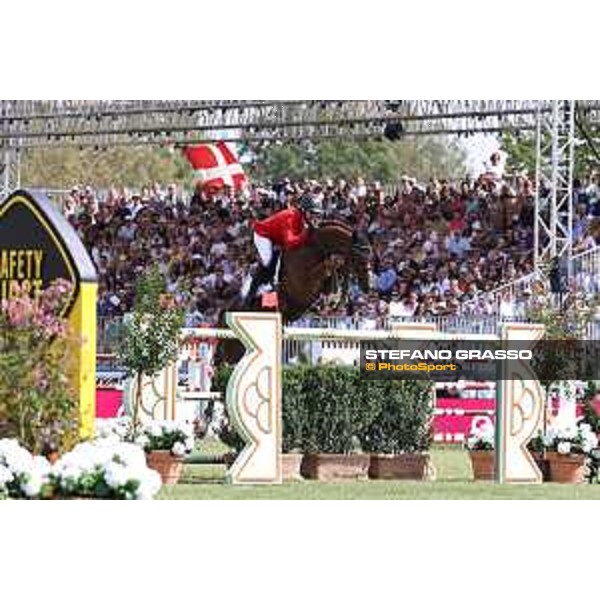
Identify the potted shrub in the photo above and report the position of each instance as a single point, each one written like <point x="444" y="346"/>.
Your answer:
<point x="480" y="445"/>
<point x="335" y="416"/>
<point x="400" y="434"/>
<point x="567" y="450"/>
<point x="294" y="423"/>
<point x="150" y="334"/>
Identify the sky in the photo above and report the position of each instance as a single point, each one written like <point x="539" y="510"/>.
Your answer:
<point x="479" y="147"/>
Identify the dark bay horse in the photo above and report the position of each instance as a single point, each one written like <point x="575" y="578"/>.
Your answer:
<point x="305" y="273"/>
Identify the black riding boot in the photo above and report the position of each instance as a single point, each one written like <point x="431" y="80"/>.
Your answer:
<point x="260" y="278"/>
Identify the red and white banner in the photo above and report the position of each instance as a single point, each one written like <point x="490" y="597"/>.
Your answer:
<point x="216" y="166"/>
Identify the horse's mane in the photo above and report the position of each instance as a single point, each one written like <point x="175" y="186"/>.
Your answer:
<point x="360" y="238"/>
<point x="336" y="223"/>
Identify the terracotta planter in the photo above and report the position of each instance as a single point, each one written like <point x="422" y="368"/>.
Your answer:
<point x="482" y="462"/>
<point x="542" y="463"/>
<point x="566" y="468"/>
<point x="336" y="467"/>
<point x="168" y="466"/>
<point x="400" y="466"/>
<point x="291" y="464"/>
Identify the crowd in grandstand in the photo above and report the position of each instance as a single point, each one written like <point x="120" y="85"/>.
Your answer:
<point x="438" y="248"/>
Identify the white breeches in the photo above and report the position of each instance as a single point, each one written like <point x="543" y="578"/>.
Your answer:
<point x="265" y="249"/>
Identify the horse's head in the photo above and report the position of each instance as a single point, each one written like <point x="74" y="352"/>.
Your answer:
<point x="360" y="257"/>
<point x="337" y="238"/>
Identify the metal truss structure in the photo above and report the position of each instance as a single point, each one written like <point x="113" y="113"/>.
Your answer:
<point x="555" y="159"/>
<point x="110" y="123"/>
<point x="105" y="124"/>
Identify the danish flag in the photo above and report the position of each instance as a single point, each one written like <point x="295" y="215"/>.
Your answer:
<point x="215" y="166"/>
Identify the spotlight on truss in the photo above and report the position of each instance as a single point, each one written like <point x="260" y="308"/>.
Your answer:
<point x="393" y="131"/>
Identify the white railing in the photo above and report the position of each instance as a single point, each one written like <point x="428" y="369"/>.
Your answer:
<point x="109" y="330"/>
<point x="316" y="344"/>
<point x="513" y="297"/>
<point x="585" y="270"/>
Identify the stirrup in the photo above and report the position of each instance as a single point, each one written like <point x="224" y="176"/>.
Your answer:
<point x="270" y="300"/>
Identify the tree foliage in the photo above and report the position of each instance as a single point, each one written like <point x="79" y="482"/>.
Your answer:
<point x="151" y="331"/>
<point x="62" y="168"/>
<point x="374" y="160"/>
<point x="521" y="149"/>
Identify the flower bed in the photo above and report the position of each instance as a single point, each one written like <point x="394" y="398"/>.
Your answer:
<point x="105" y="469"/>
<point x="165" y="442"/>
<point x="21" y="474"/>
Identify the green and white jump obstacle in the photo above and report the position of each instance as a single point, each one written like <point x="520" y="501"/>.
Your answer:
<point x="254" y="402"/>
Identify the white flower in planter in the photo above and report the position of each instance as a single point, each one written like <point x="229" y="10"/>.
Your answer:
<point x="564" y="447"/>
<point x="150" y="486"/>
<point x="178" y="449"/>
<point x="550" y="437"/>
<point x="142" y="440"/>
<point x="589" y="440"/>
<point x="26" y="473"/>
<point x="42" y="464"/>
<point x="482" y="435"/>
<point x="120" y="467"/>
<point x="32" y="485"/>
<point x="116" y="475"/>
<point x="155" y="429"/>
<point x="6" y="475"/>
<point x="169" y="426"/>
<point x="174" y="436"/>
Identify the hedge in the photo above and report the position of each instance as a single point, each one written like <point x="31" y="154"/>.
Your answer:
<point x="330" y="409"/>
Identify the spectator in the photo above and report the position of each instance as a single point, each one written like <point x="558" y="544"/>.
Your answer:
<point x="437" y="248"/>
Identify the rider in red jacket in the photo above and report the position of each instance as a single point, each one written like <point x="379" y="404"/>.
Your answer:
<point x="284" y="230"/>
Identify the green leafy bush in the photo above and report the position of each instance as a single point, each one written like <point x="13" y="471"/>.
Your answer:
<point x="403" y="420"/>
<point x="332" y="410"/>
<point x="295" y="410"/>
<point x="338" y="407"/>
